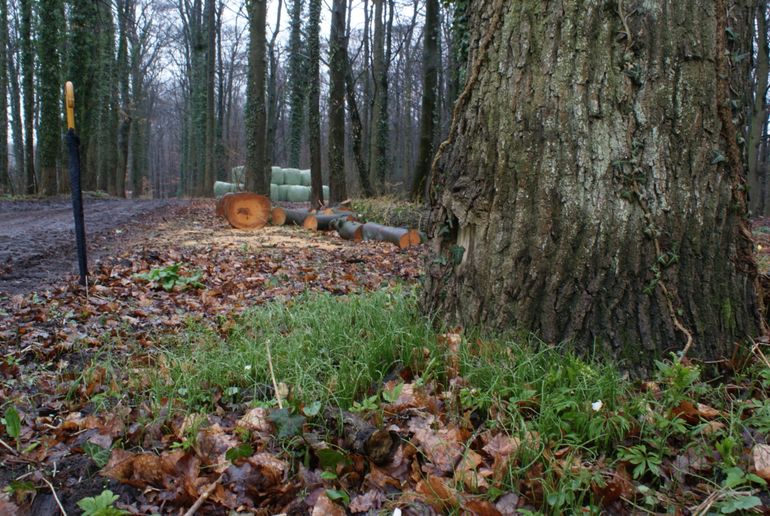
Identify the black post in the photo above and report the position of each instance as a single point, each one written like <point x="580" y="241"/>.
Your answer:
<point x="73" y="144"/>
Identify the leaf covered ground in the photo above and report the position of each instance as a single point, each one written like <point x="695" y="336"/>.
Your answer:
<point x="156" y="386"/>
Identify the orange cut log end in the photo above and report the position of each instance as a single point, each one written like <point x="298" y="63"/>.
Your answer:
<point x="246" y="210"/>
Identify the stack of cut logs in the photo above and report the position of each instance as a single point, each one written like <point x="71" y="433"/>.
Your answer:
<point x="245" y="210"/>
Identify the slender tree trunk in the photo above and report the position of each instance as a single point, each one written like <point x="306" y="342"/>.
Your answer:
<point x="357" y="131"/>
<point x="257" y="179"/>
<point x="209" y="173"/>
<point x="125" y="118"/>
<point x="377" y="161"/>
<point x="14" y="87"/>
<point x="272" y="93"/>
<point x="297" y="82"/>
<point x="430" y="58"/>
<point x="28" y="82"/>
<point x="759" y="109"/>
<point x="337" y="62"/>
<point x="314" y="102"/>
<point x="591" y="188"/>
<point x="49" y="136"/>
<point x="5" y="178"/>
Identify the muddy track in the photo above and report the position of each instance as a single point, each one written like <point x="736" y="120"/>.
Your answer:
<point x="37" y="238"/>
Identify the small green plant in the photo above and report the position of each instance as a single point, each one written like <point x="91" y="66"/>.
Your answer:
<point x="645" y="460"/>
<point x="100" y="456"/>
<point x="369" y="404"/>
<point x="101" y="505"/>
<point x="169" y="278"/>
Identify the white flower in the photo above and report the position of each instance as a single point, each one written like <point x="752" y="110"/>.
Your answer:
<point x="247" y="367"/>
<point x="397" y="512"/>
<point x="597" y="405"/>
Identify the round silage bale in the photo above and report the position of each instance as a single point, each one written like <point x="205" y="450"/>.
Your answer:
<point x="283" y="192"/>
<point x="305" y="177"/>
<point x="292" y="176"/>
<point x="276" y="175"/>
<point x="221" y="188"/>
<point x="326" y="193"/>
<point x="298" y="193"/>
<point x="274" y="192"/>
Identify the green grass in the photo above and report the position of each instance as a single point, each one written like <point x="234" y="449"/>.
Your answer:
<point x="335" y="351"/>
<point x="325" y="348"/>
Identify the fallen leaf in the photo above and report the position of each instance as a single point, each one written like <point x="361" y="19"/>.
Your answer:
<point x="761" y="454"/>
<point x="481" y="508"/>
<point x="325" y="507"/>
<point x="372" y="500"/>
<point x="436" y="493"/>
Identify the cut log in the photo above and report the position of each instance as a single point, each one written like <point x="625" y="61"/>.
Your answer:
<point x="301" y="218"/>
<point x="397" y="236"/>
<point x="277" y="216"/>
<point x="414" y="237"/>
<point x="246" y="210"/>
<point x="349" y="230"/>
<point x="220" y="210"/>
<point x="361" y="437"/>
<point x="325" y="221"/>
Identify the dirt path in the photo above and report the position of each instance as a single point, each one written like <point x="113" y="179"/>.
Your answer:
<point x="37" y="238"/>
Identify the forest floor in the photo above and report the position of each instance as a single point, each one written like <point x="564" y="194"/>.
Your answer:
<point x="37" y="240"/>
<point x="284" y="371"/>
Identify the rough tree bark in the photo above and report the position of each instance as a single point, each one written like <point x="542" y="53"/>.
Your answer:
<point x="337" y="64"/>
<point x="257" y="178"/>
<point x="591" y="188"/>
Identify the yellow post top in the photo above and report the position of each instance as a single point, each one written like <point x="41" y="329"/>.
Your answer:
<point x="69" y="92"/>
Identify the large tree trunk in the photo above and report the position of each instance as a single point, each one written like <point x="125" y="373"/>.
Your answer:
<point x="591" y="188"/>
<point x="337" y="64"/>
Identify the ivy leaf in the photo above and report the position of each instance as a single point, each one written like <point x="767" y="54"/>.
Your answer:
<point x="288" y="425"/>
<point x="335" y="494"/>
<point x="329" y="458"/>
<point x="313" y="409"/>
<point x="239" y="452"/>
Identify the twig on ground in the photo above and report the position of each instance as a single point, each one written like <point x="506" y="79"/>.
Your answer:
<point x="203" y="497"/>
<point x="8" y="447"/>
<point x="272" y="374"/>
<point x="56" y="498"/>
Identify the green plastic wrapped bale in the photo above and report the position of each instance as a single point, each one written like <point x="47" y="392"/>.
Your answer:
<point x="276" y="176"/>
<point x="221" y="188"/>
<point x="326" y="193"/>
<point x="274" y="193"/>
<point x="283" y="193"/>
<point x="292" y="176"/>
<point x="305" y="177"/>
<point x="298" y="193"/>
<point x="237" y="175"/>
